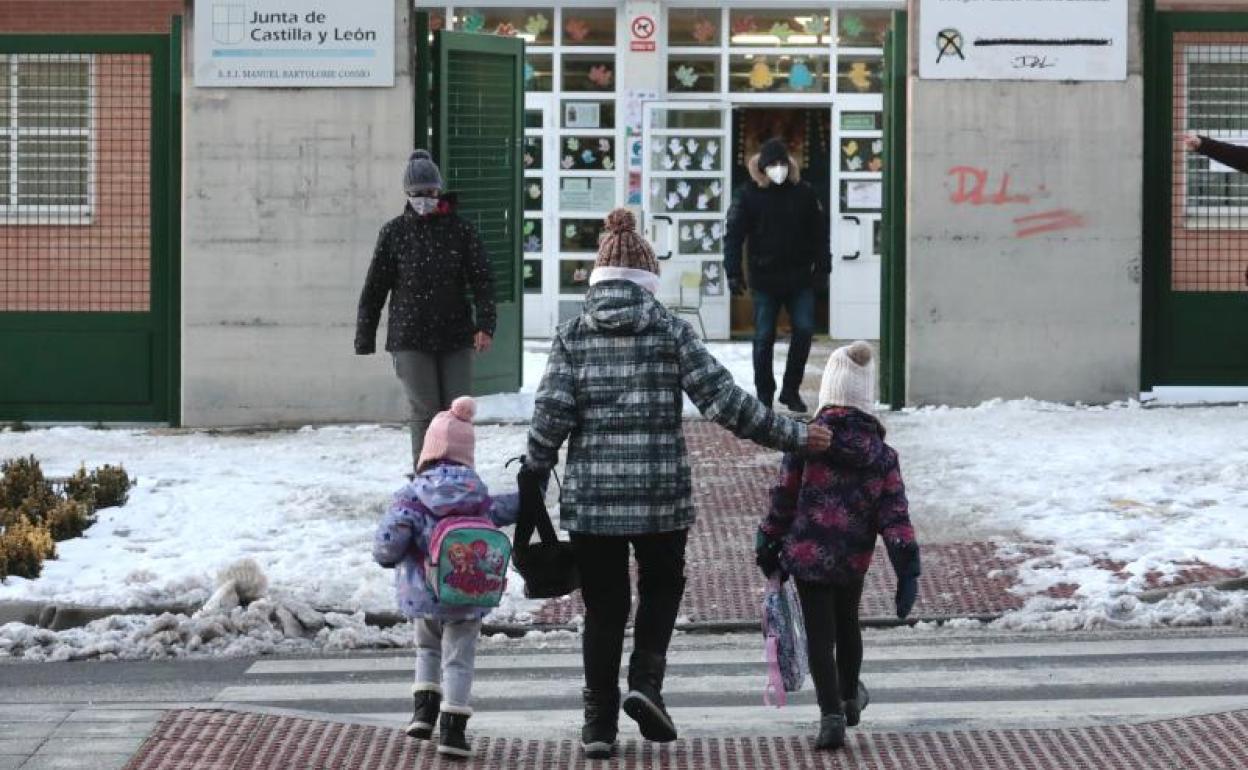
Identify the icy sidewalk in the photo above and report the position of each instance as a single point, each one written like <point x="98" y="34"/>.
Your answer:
<point x="1053" y="514"/>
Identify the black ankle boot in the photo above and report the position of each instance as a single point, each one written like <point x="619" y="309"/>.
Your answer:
<point x="793" y="401"/>
<point x="451" y="739"/>
<point x="424" y="714"/>
<point x="854" y="707"/>
<point x="644" y="702"/>
<point x="602" y="722"/>
<point x="831" y="732"/>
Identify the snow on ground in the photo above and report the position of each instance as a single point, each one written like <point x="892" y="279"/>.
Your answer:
<point x="1150" y="490"/>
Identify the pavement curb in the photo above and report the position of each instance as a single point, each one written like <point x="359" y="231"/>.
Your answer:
<point x="57" y="617"/>
<point x="1157" y="594"/>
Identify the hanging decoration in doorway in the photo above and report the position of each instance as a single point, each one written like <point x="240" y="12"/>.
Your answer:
<point x="536" y="25"/>
<point x="601" y="75"/>
<point x="576" y="29"/>
<point x="800" y="76"/>
<point x="761" y="77"/>
<point x="474" y="22"/>
<point x="705" y="31"/>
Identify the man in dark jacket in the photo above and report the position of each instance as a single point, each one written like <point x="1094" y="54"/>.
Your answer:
<point x="427" y="261"/>
<point x="786" y="228"/>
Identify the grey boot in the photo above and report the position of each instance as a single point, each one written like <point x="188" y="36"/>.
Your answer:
<point x="602" y="723"/>
<point x="831" y="732"/>
<point x="644" y="702"/>
<point x="854" y="707"/>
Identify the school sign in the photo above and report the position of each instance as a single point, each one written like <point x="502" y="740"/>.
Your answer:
<point x="294" y="43"/>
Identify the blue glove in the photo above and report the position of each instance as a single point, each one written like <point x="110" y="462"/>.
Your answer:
<point x="767" y="554"/>
<point x="907" y="592"/>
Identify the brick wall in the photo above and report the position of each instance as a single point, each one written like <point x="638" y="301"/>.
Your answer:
<point x="88" y="16"/>
<point x="98" y="262"/>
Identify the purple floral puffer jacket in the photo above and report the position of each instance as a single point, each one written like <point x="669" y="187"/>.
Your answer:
<point x="828" y="509"/>
<point x="402" y="537"/>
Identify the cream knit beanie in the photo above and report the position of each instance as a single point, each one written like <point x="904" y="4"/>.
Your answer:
<point x="849" y="378"/>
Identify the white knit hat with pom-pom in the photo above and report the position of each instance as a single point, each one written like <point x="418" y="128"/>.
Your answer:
<point x="450" y="436"/>
<point x="849" y="378"/>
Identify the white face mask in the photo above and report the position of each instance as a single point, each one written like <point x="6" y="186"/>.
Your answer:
<point x="423" y="206"/>
<point x="777" y="174"/>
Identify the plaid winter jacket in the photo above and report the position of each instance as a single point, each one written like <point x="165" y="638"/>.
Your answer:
<point x="827" y="510"/>
<point x="613" y="388"/>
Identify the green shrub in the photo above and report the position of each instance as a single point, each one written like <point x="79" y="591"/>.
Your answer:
<point x="80" y="487"/>
<point x="21" y="478"/>
<point x="69" y="519"/>
<point x="112" y="486"/>
<point x="39" y="506"/>
<point x="24" y="547"/>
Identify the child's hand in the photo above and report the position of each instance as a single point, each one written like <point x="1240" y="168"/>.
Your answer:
<point x="907" y="593"/>
<point x="767" y="554"/>
<point x="818" y="438"/>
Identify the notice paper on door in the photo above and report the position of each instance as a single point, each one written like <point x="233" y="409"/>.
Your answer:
<point x="864" y="194"/>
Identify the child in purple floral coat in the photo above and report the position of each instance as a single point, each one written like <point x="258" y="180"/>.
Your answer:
<point x="826" y="512"/>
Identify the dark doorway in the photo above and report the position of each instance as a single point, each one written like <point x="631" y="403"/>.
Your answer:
<point x="807" y="131"/>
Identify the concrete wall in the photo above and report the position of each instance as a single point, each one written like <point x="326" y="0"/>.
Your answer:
<point x="996" y="311"/>
<point x="283" y="194"/>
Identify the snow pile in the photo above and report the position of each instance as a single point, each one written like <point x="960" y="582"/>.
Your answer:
<point x="1185" y="607"/>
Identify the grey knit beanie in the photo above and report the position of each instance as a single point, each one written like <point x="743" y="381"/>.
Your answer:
<point x="421" y="173"/>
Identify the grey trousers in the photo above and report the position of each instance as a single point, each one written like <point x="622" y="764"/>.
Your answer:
<point x="446" y="654"/>
<point x="432" y="381"/>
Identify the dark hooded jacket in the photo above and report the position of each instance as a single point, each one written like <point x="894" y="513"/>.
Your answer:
<point x="1229" y="154"/>
<point x="613" y="389"/>
<point x="427" y="266"/>
<point x="787" y="231"/>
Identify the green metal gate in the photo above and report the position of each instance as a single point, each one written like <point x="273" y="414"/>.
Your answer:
<point x="88" y="232"/>
<point x="478" y="127"/>
<point x="893" y="247"/>
<point x="1196" y="211"/>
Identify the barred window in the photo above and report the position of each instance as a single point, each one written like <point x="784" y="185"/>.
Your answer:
<point x="1216" y="87"/>
<point x="45" y="138"/>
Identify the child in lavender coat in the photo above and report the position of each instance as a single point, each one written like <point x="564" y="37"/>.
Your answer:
<point x="446" y="636"/>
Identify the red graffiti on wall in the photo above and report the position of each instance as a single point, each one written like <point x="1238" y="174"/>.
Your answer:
<point x="973" y="187"/>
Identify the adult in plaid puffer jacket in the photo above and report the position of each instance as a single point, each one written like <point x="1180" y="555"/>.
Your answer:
<point x="613" y="389"/>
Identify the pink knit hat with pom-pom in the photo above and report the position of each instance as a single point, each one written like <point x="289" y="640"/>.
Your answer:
<point x="450" y="435"/>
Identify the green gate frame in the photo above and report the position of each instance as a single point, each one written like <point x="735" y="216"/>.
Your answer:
<point x="1170" y="317"/>
<point x="501" y="370"/>
<point x="893" y="247"/>
<point x="161" y="320"/>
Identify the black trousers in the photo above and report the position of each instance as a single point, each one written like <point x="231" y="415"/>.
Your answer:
<point x="606" y="589"/>
<point x="833" y="641"/>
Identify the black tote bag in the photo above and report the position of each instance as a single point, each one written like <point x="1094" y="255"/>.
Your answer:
<point x="547" y="566"/>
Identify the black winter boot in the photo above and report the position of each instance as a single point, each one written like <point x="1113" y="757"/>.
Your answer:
<point x="602" y="723"/>
<point x="451" y="739"/>
<point x="424" y="714"/>
<point x="854" y="707"/>
<point x="793" y="401"/>
<point x="644" y="702"/>
<point x="831" y="732"/>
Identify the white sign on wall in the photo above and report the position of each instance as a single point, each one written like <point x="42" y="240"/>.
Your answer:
<point x="294" y="43"/>
<point x="1023" y="39"/>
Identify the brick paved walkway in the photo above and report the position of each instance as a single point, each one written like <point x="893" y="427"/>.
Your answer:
<point x="731" y="483"/>
<point x="221" y="740"/>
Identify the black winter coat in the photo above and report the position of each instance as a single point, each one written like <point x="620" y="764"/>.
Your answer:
<point x="427" y="266"/>
<point x="787" y="230"/>
<point x="1226" y="153"/>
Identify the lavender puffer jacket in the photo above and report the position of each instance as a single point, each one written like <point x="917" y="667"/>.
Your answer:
<point x="402" y="537"/>
<point x="827" y="510"/>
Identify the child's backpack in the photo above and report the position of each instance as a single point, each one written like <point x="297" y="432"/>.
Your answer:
<point x="468" y="558"/>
